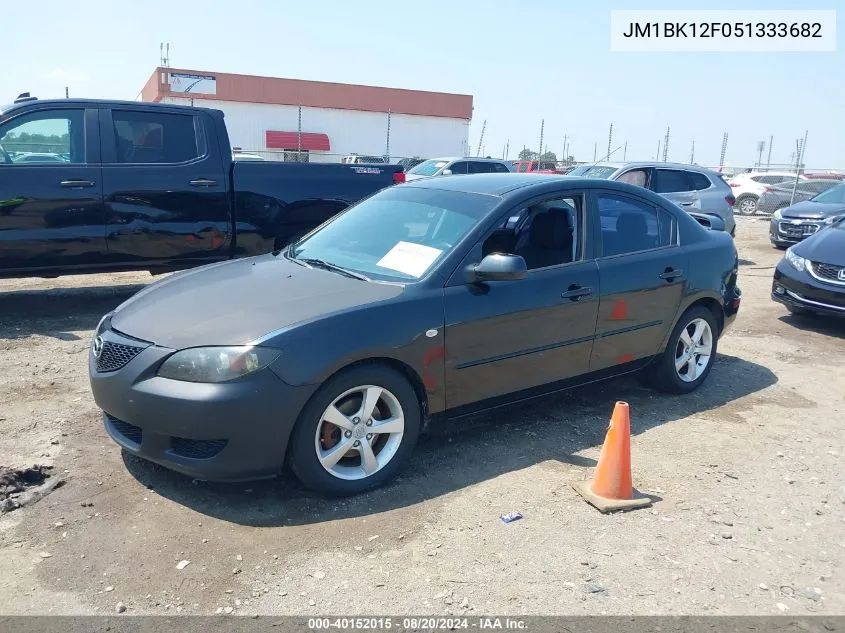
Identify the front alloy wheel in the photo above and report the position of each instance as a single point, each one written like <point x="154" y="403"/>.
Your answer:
<point x="359" y="432"/>
<point x="356" y="432"/>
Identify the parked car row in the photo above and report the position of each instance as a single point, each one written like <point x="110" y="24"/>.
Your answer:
<point x="765" y="192"/>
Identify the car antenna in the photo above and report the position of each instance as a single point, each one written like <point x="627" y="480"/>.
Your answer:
<point x="604" y="158"/>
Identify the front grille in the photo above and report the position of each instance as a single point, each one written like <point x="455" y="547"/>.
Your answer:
<point x="116" y="355"/>
<point x="797" y="230"/>
<point x="129" y="431"/>
<point x="197" y="449"/>
<point x="827" y="271"/>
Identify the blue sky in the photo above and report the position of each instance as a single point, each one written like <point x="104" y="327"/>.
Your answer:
<point x="522" y="62"/>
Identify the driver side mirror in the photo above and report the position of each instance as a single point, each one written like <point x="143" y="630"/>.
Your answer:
<point x="446" y="172"/>
<point x="497" y="267"/>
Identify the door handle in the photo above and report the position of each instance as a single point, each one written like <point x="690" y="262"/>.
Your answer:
<point x="670" y="274"/>
<point x="576" y="292"/>
<point x="687" y="204"/>
<point x="77" y="184"/>
<point x="203" y="182"/>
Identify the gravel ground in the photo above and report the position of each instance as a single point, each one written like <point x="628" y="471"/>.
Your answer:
<point x="747" y="474"/>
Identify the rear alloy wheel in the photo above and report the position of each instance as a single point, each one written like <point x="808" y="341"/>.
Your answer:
<point x="746" y="205"/>
<point x="356" y="432"/>
<point x="689" y="354"/>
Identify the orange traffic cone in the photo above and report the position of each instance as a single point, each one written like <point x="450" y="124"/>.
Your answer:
<point x="611" y="488"/>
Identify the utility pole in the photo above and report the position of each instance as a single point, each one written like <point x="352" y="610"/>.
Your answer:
<point x="542" y="126"/>
<point x="481" y="138"/>
<point x="769" y="159"/>
<point x="595" y="149"/>
<point x="507" y="149"/>
<point x="625" y="151"/>
<point x="724" y="150"/>
<point x="802" y="146"/>
<point x="657" y="155"/>
<point x="666" y="146"/>
<point x="692" y="153"/>
<point x="609" y="140"/>
<point x="299" y="135"/>
<point x="387" y="148"/>
<point x="761" y="145"/>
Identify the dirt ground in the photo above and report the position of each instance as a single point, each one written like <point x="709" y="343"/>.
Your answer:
<point x="748" y="475"/>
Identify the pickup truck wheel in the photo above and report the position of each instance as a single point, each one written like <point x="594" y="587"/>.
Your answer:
<point x="689" y="354"/>
<point x="746" y="205"/>
<point x="356" y="432"/>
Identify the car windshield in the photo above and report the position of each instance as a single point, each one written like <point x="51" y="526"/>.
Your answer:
<point x="428" y="168"/>
<point x="399" y="234"/>
<point x="834" y="195"/>
<point x="593" y="171"/>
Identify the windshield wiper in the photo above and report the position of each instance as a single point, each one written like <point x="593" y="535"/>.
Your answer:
<point x="320" y="263"/>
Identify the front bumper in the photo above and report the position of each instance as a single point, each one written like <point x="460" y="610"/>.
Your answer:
<point x="231" y="431"/>
<point x="785" y="232"/>
<point x="800" y="290"/>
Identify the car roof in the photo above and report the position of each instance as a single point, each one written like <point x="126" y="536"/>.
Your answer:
<point x="503" y="184"/>
<point x="475" y="158"/>
<point x="656" y="164"/>
<point x="34" y="103"/>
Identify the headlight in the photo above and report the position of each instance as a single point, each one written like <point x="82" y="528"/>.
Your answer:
<point x="796" y="261"/>
<point x="777" y="214"/>
<point x="833" y="220"/>
<point x="216" y="364"/>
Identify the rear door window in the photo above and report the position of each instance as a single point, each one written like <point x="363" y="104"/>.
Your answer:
<point x="144" y="137"/>
<point x="671" y="181"/>
<point x="699" y="181"/>
<point x="459" y="167"/>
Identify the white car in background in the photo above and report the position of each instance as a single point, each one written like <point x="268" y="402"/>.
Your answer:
<point x="749" y="186"/>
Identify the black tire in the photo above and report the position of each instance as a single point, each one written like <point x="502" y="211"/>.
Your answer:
<point x="745" y="198"/>
<point x="662" y="374"/>
<point x="302" y="455"/>
<point x="780" y="247"/>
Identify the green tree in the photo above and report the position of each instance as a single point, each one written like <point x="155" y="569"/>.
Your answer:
<point x="527" y="154"/>
<point x="551" y="156"/>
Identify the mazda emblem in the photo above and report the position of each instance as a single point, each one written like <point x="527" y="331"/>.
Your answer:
<point x="97" y="346"/>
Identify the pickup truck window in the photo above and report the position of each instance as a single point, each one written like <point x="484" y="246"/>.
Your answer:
<point x="156" y="137"/>
<point x="47" y="137"/>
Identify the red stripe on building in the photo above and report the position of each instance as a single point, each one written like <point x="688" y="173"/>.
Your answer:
<point x="289" y="140"/>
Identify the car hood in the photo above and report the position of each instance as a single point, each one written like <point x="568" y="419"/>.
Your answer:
<point x="236" y="302"/>
<point x="812" y="210"/>
<point x="826" y="246"/>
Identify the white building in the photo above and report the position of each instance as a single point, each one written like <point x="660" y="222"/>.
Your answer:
<point x="275" y="117"/>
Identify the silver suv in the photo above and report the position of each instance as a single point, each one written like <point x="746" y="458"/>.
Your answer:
<point x="458" y="165"/>
<point x="691" y="187"/>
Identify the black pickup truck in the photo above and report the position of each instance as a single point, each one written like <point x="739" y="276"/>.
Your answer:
<point x="92" y="186"/>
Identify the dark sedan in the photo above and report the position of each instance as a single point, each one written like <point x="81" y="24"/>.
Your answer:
<point x="441" y="297"/>
<point x="781" y="196"/>
<point x="811" y="276"/>
<point x="793" y="224"/>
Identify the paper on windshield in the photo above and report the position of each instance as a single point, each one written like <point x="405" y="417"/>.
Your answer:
<point x="409" y="258"/>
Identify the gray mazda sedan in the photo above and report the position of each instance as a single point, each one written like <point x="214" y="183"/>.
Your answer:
<point x="437" y="298"/>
